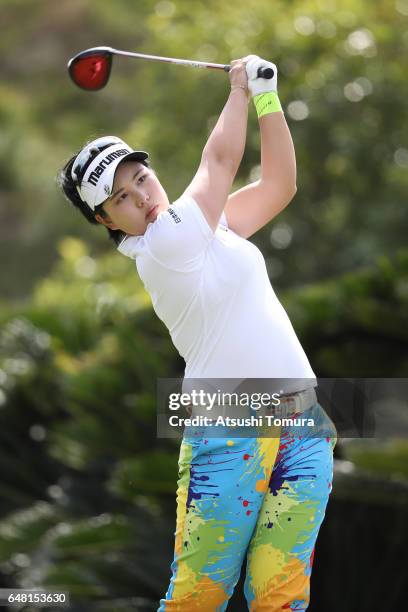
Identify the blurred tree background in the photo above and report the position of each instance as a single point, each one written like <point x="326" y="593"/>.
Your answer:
<point x="87" y="493"/>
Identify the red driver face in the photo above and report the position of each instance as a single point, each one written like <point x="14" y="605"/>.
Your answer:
<point x="91" y="71"/>
<point x="137" y="199"/>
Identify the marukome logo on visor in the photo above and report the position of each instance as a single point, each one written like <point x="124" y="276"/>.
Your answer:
<point x="96" y="172"/>
<point x="107" y="190"/>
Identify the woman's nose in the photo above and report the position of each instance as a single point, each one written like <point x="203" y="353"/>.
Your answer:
<point x="143" y="200"/>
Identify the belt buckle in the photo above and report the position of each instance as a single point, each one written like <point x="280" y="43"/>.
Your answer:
<point x="296" y="402"/>
<point x="287" y="405"/>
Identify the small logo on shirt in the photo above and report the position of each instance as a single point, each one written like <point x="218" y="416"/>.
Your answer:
<point x="176" y="218"/>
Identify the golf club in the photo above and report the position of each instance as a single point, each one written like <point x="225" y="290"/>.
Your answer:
<point x="90" y="69"/>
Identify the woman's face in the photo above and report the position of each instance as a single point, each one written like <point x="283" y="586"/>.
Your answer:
<point x="137" y="198"/>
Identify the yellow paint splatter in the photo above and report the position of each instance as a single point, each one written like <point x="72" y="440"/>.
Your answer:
<point x="276" y="582"/>
<point x="267" y="562"/>
<point x="201" y="594"/>
<point x="185" y="582"/>
<point x="261" y="485"/>
<point x="268" y="449"/>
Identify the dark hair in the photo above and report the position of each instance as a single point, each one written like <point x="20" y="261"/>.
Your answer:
<point x="67" y="184"/>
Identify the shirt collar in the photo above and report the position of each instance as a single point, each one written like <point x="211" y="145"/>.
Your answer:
<point x="129" y="245"/>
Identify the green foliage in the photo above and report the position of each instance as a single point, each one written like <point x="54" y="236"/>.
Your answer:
<point x="356" y="325"/>
<point x="153" y="472"/>
<point x="23" y="529"/>
<point x="392" y="461"/>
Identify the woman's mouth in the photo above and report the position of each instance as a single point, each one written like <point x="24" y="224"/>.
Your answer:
<point x="150" y="215"/>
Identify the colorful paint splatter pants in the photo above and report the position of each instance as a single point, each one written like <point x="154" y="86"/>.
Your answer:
<point x="263" y="496"/>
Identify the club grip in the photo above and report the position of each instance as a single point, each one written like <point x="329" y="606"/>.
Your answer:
<point x="263" y="73"/>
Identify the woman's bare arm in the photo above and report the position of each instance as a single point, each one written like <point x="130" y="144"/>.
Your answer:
<point x="223" y="151"/>
<point x="253" y="206"/>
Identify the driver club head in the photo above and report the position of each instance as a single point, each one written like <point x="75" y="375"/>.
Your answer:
<point x="90" y="70"/>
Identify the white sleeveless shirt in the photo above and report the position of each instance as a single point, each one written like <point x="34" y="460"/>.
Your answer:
<point x="212" y="291"/>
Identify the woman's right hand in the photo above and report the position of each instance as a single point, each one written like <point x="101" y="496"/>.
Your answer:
<point x="237" y="75"/>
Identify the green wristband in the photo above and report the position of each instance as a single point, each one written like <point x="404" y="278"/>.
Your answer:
<point x="266" y="103"/>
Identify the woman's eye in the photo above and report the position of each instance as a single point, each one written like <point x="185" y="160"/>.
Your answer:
<point x="141" y="179"/>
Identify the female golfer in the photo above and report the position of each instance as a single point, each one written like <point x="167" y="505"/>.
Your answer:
<point x="263" y="497"/>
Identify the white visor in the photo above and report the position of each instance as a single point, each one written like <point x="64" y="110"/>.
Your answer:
<point x="97" y="183"/>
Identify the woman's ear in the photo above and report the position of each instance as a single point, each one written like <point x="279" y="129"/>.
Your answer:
<point x="105" y="220"/>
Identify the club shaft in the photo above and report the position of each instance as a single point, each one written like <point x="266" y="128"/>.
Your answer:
<point x="173" y="60"/>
